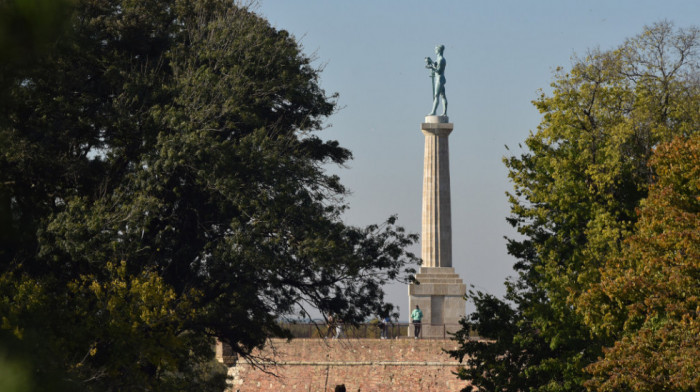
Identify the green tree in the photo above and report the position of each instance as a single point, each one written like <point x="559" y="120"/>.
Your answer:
<point x="577" y="188"/>
<point x="163" y="185"/>
<point x="27" y="29"/>
<point x="648" y="298"/>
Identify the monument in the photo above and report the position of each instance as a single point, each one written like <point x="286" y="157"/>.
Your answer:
<point x="439" y="291"/>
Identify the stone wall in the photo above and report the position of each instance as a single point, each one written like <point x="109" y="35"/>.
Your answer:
<point x="361" y="364"/>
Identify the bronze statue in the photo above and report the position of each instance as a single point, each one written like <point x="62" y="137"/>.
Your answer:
<point x="437" y="73"/>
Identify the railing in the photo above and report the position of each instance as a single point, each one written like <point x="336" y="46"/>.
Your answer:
<point x="371" y="330"/>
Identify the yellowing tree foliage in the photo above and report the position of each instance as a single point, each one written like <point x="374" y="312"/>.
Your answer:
<point x="577" y="188"/>
<point x="649" y="297"/>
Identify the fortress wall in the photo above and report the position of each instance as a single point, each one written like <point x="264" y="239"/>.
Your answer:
<point x="361" y="364"/>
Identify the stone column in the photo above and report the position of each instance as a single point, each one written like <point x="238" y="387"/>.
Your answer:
<point x="436" y="249"/>
<point x="440" y="292"/>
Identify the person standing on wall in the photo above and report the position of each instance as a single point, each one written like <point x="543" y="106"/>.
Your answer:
<point x="416" y="317"/>
<point x="385" y="324"/>
<point x="339" y="333"/>
<point x="331" y="327"/>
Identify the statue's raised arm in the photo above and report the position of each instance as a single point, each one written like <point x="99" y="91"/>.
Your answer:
<point x="437" y="73"/>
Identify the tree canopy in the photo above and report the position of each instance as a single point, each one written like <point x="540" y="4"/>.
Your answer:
<point x="577" y="188"/>
<point x="649" y="296"/>
<point x="162" y="183"/>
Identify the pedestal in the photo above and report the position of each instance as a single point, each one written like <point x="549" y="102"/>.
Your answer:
<point x="440" y="295"/>
<point x="440" y="292"/>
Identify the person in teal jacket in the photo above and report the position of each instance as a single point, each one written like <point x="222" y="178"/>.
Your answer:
<point x="416" y="317"/>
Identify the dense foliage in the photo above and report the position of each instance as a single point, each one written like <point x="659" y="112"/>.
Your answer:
<point x="649" y="297"/>
<point x="162" y="184"/>
<point x="577" y="189"/>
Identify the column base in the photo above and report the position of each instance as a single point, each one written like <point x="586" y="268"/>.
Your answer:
<point x="440" y="295"/>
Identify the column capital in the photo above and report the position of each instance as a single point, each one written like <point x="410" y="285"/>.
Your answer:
<point x="437" y="119"/>
<point x="436" y="128"/>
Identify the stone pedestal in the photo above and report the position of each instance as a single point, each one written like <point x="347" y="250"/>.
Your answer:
<point x="440" y="291"/>
<point x="440" y="295"/>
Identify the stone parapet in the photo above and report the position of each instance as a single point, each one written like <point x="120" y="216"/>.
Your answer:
<point x="366" y="365"/>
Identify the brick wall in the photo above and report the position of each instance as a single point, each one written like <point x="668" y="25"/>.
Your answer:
<point x="367" y="365"/>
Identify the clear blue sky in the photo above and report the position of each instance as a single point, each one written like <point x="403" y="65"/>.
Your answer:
<point x="499" y="54"/>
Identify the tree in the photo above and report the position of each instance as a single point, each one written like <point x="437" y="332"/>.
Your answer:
<point x="164" y="185"/>
<point x="576" y="193"/>
<point x="27" y="29"/>
<point x="649" y="296"/>
<point x="491" y="363"/>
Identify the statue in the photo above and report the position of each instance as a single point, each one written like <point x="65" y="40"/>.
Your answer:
<point x="437" y="73"/>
